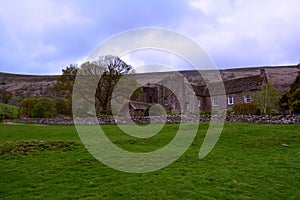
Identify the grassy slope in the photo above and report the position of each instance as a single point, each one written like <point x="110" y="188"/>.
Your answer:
<point x="248" y="161"/>
<point x="15" y="109"/>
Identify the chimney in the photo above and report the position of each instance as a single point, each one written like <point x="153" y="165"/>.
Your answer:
<point x="262" y="72"/>
<point x="263" y="75"/>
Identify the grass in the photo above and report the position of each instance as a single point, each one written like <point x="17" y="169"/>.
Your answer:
<point x="11" y="108"/>
<point x="248" y="162"/>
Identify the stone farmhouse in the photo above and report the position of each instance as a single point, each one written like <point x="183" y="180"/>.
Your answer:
<point x="171" y="90"/>
<point x="183" y="93"/>
<point x="237" y="91"/>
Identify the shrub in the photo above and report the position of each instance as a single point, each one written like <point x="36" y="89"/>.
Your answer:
<point x="49" y="107"/>
<point x="38" y="111"/>
<point x="27" y="105"/>
<point x="63" y="106"/>
<point x="229" y="111"/>
<point x="6" y="113"/>
<point x="37" y="107"/>
<point x="205" y="112"/>
<point x="295" y="103"/>
<point x="246" y="109"/>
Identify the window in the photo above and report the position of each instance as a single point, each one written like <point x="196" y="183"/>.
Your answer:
<point x="215" y="101"/>
<point x="247" y="98"/>
<point x="199" y="102"/>
<point x="230" y="100"/>
<point x="166" y="101"/>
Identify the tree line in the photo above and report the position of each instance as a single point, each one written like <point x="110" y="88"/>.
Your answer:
<point x="45" y="107"/>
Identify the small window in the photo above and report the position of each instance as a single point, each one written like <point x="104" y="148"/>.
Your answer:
<point x="230" y="100"/>
<point x="215" y="101"/>
<point x="166" y="101"/>
<point x="247" y="98"/>
<point x="199" y="102"/>
<point x="176" y="105"/>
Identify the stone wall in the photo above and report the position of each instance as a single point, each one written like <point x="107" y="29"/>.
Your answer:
<point x="267" y="119"/>
<point x="110" y="120"/>
<point x="255" y="119"/>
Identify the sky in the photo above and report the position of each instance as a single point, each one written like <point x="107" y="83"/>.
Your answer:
<point x="45" y="36"/>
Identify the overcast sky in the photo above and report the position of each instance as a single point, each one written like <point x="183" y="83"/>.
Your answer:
<point x="45" y="36"/>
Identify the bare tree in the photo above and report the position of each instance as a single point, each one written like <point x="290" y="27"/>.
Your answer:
<point x="267" y="98"/>
<point x="104" y="73"/>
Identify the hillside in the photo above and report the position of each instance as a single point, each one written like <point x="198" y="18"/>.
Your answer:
<point x="27" y="85"/>
<point x="40" y="85"/>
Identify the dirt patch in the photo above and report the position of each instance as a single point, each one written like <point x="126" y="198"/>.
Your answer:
<point x="27" y="147"/>
<point x="39" y="125"/>
<point x="11" y="123"/>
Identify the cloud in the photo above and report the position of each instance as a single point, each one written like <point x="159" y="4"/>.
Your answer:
<point x="56" y="33"/>
<point x="247" y="32"/>
<point x="153" y="60"/>
<point x="31" y="31"/>
<point x="212" y="7"/>
<point x="42" y="37"/>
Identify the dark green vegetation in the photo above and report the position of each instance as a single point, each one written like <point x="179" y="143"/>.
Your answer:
<point x="248" y="162"/>
<point x="244" y="109"/>
<point x="45" y="107"/>
<point x="291" y="100"/>
<point x="8" y="111"/>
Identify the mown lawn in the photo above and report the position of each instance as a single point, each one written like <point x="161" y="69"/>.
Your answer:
<point x="248" y="162"/>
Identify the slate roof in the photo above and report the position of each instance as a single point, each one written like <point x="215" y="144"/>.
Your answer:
<point x="139" y="105"/>
<point x="232" y="86"/>
<point x="243" y="84"/>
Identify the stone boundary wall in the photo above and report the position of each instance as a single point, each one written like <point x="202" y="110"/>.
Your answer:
<point x="254" y="119"/>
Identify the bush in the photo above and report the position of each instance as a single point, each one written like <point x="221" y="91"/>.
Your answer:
<point x="291" y="100"/>
<point x="205" y="112"/>
<point x="38" y="111"/>
<point x="27" y="105"/>
<point x="296" y="101"/>
<point x="37" y="107"/>
<point x="63" y="106"/>
<point x="229" y="111"/>
<point x="6" y="113"/>
<point x="49" y="107"/>
<point x="246" y="109"/>
<point x="296" y="107"/>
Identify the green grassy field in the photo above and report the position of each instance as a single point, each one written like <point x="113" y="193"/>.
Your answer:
<point x="248" y="162"/>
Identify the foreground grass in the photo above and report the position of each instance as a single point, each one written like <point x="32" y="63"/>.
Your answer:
<point x="248" y="162"/>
